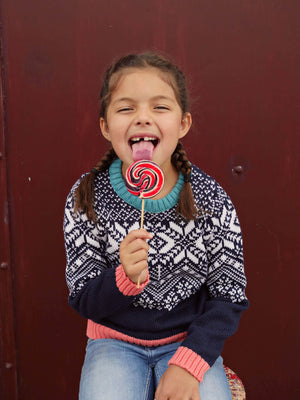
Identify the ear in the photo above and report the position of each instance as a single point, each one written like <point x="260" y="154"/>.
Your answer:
<point x="185" y="125"/>
<point x="104" y="128"/>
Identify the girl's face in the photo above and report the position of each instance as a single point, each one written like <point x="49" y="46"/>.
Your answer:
<point x="143" y="107"/>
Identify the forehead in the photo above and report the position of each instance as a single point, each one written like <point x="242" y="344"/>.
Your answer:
<point x="147" y="81"/>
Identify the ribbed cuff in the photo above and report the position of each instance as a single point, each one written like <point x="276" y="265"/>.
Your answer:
<point x="190" y="361"/>
<point x="125" y="285"/>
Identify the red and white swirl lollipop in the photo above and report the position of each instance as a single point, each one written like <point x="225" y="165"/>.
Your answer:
<point x="144" y="179"/>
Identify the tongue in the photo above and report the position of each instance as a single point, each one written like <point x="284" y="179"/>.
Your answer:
<point x="142" y="151"/>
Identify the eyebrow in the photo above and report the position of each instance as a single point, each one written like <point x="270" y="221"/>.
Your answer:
<point x="155" y="98"/>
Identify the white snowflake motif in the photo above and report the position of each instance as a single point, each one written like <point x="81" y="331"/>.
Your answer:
<point x="236" y="293"/>
<point x="144" y="301"/>
<point x="184" y="289"/>
<point x="224" y="285"/>
<point x="171" y="300"/>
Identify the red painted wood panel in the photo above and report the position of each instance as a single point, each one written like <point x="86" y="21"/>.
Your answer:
<point x="241" y="59"/>
<point x="8" y="366"/>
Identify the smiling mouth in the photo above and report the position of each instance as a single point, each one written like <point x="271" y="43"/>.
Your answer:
<point x="135" y="140"/>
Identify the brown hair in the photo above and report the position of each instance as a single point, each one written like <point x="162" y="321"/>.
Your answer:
<point x="84" y="194"/>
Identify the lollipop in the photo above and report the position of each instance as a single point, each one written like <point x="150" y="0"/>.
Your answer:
<point x="144" y="179"/>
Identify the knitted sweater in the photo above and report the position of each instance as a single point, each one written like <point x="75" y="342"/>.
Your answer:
<point x="195" y="291"/>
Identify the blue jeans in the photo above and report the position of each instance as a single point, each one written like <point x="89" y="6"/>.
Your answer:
<point x="116" y="370"/>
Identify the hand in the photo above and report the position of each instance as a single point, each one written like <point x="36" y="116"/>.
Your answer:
<point x="177" y="384"/>
<point x="134" y="255"/>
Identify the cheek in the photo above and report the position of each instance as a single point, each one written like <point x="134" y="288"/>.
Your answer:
<point x="173" y="124"/>
<point x="113" y="128"/>
<point x="117" y="123"/>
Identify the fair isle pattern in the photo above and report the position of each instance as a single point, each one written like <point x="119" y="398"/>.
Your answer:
<point x="177" y="262"/>
<point x="183" y="255"/>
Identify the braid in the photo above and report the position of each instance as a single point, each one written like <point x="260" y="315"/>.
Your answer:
<point x="180" y="160"/>
<point x="85" y="193"/>
<point x="186" y="203"/>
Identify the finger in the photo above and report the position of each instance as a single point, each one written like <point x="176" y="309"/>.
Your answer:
<point x="137" y="234"/>
<point x="137" y="245"/>
<point x="138" y="248"/>
<point x="135" y="258"/>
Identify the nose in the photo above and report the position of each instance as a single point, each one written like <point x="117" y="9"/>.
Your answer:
<point x="143" y="118"/>
<point x="143" y="122"/>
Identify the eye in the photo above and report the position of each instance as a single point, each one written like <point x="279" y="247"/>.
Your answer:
<point x="161" y="107"/>
<point x="124" y="109"/>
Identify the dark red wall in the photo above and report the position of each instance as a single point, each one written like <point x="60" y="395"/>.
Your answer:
<point x="242" y="61"/>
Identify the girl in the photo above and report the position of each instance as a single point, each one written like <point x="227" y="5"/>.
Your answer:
<point x="163" y="339"/>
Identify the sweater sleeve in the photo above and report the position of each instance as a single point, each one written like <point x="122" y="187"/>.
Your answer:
<point x="225" y="284"/>
<point x="97" y="289"/>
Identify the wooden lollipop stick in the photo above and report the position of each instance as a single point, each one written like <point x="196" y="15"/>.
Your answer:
<point x="142" y="216"/>
<point x="142" y="225"/>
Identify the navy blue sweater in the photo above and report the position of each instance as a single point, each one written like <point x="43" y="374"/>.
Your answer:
<point x="197" y="282"/>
